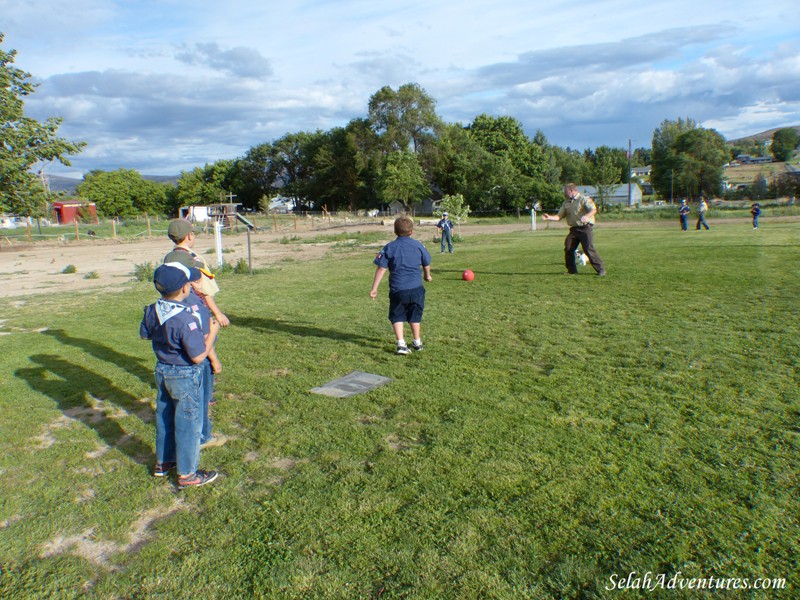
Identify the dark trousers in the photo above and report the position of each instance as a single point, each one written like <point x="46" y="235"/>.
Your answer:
<point x="583" y="236"/>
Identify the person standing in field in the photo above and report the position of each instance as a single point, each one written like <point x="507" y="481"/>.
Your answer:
<point x="684" y="211"/>
<point x="445" y="227"/>
<point x="755" y="210"/>
<point x="408" y="263"/>
<point x="579" y="212"/>
<point x="701" y="214"/>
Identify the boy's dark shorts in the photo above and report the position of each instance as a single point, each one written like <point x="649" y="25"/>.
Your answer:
<point x="406" y="306"/>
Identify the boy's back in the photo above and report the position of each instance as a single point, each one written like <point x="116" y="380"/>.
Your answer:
<point x="403" y="257"/>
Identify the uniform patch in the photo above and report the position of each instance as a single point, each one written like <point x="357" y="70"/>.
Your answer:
<point x="192" y="325"/>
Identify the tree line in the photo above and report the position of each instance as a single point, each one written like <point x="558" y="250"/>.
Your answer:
<point x="401" y="150"/>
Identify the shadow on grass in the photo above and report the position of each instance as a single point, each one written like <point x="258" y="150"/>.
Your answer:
<point x="128" y="363"/>
<point x="90" y="398"/>
<point x="293" y="328"/>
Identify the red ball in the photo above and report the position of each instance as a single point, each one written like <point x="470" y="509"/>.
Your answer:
<point x="468" y="275"/>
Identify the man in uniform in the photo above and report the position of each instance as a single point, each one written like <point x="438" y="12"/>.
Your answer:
<point x="579" y="211"/>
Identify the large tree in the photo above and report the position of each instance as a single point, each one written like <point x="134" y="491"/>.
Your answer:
<point x="123" y="193"/>
<point x="26" y="145"/>
<point x="701" y="155"/>
<point x="784" y="143"/>
<point x="405" y="119"/>
<point x="665" y="159"/>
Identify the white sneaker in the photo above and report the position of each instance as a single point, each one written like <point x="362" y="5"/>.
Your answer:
<point x="403" y="349"/>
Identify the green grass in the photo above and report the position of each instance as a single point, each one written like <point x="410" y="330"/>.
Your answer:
<point x="554" y="432"/>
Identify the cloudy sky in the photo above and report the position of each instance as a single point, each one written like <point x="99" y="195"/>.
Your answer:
<point x="162" y="86"/>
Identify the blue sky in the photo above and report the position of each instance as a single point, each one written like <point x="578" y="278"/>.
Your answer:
<point x="169" y="85"/>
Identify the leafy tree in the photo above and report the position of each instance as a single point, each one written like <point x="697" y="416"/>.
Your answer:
<point x="573" y="165"/>
<point x="455" y="206"/>
<point x="605" y="176"/>
<point x="666" y="162"/>
<point x="701" y="155"/>
<point x="404" y="119"/>
<point x="123" y="193"/>
<point x="208" y="185"/>
<point x="784" y="143"/>
<point x="504" y="136"/>
<point x="403" y="179"/>
<point x="26" y="145"/>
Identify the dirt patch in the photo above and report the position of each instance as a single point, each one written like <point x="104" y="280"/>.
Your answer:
<point x="99" y="552"/>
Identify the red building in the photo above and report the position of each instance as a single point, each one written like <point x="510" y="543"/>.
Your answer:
<point x="68" y="212"/>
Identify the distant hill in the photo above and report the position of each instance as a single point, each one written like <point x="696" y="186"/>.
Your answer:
<point x="68" y="184"/>
<point x="763" y="136"/>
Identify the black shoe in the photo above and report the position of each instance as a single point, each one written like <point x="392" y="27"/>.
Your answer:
<point x="199" y="478"/>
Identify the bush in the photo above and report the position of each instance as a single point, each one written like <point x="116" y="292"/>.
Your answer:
<point x="70" y="269"/>
<point x="92" y="275"/>
<point x="242" y="267"/>
<point x="143" y="272"/>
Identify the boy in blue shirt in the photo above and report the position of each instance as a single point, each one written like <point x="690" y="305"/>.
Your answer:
<point x="180" y="348"/>
<point x="756" y="212"/>
<point x="683" y="211"/>
<point x="403" y="258"/>
<point x="445" y="227"/>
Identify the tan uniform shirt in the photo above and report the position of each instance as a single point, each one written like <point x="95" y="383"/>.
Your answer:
<point x="574" y="208"/>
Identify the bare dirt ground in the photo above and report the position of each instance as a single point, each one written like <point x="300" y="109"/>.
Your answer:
<point x="37" y="268"/>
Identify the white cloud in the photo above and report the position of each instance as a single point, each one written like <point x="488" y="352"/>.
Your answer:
<point x="164" y="85"/>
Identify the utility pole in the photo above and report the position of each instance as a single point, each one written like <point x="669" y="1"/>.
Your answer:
<point x="630" y="198"/>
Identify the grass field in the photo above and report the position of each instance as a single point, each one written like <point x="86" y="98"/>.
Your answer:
<point x="556" y="434"/>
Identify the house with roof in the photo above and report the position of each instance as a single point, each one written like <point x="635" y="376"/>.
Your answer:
<point x="617" y="195"/>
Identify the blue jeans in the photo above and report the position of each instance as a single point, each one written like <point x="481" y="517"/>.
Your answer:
<point x="208" y="396"/>
<point x="702" y="220"/>
<point x="448" y="236"/>
<point x="179" y="415"/>
<point x="684" y="222"/>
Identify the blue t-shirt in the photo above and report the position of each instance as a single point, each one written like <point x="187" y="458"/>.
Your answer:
<point x="445" y="225"/>
<point x="175" y="332"/>
<point x="403" y="257"/>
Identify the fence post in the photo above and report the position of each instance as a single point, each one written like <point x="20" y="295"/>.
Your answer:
<point x="295" y="222"/>
<point x="76" y="229"/>
<point x="28" y="227"/>
<point x="114" y="229"/>
<point x="149" y="235"/>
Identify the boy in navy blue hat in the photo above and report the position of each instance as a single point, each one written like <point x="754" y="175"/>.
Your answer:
<point x="403" y="258"/>
<point x="180" y="348"/>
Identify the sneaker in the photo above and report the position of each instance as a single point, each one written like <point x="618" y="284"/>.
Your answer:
<point x="416" y="346"/>
<point x="199" y="478"/>
<point x="601" y="274"/>
<point x="162" y="469"/>
<point x="216" y="440"/>
<point x="403" y="350"/>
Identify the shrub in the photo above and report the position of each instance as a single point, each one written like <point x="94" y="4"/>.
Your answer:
<point x="70" y="269"/>
<point x="143" y="272"/>
<point x="92" y="275"/>
<point x="242" y="267"/>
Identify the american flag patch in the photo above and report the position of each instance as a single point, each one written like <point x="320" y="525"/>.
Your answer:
<point x="192" y="326"/>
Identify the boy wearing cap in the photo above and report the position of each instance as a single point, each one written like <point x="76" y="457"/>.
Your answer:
<point x="181" y="232"/>
<point x="180" y="348"/>
<point x="445" y="226"/>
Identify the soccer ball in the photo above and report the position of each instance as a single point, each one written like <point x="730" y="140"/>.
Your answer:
<point x="468" y="275"/>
